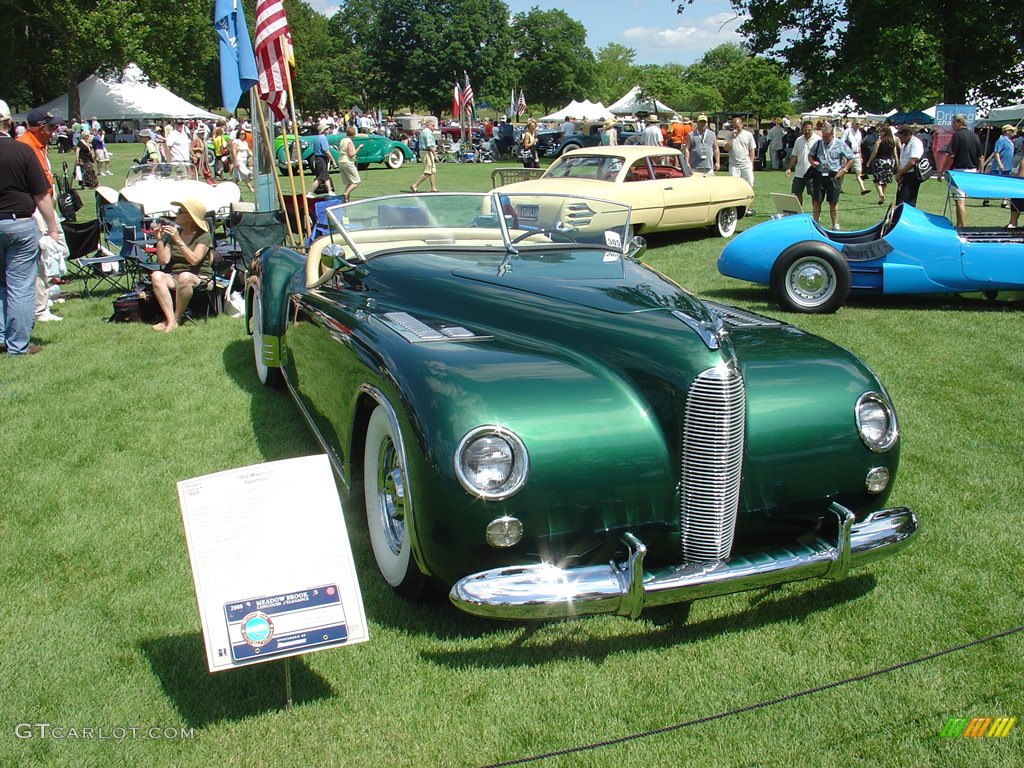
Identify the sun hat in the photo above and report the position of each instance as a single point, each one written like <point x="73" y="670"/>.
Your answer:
<point x="5" y="111"/>
<point x="1009" y="127"/>
<point x="609" y="122"/>
<point x="652" y="118"/>
<point x="195" y="209"/>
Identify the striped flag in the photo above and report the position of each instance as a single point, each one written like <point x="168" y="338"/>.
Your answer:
<point x="467" y="97"/>
<point x="273" y="55"/>
<point x="456" y="101"/>
<point x="521" y="106"/>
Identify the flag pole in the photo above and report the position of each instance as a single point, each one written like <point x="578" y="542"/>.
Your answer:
<point x="262" y="120"/>
<point x="303" y="223"/>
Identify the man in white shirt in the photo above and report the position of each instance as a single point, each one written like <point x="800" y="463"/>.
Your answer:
<point x="906" y="173"/>
<point x="742" y="149"/>
<point x="775" y="134"/>
<point x="652" y="135"/>
<point x="178" y="143"/>
<point x="853" y="138"/>
<point x="798" y="163"/>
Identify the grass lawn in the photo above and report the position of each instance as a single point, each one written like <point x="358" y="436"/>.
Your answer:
<point x="101" y="631"/>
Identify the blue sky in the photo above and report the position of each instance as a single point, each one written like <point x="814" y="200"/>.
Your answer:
<point x="652" y="28"/>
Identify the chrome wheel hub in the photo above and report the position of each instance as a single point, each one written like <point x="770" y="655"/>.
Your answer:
<point x="391" y="495"/>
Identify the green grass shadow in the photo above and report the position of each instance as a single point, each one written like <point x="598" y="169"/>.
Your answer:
<point x="203" y="698"/>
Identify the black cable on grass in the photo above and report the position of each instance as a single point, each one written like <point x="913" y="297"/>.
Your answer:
<point x="758" y="705"/>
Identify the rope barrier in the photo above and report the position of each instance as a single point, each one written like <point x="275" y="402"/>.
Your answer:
<point x="758" y="705"/>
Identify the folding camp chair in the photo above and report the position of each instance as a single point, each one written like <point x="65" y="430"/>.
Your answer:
<point x="103" y="268"/>
<point x="319" y="224"/>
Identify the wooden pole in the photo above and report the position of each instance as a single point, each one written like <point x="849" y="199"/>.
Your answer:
<point x="270" y="150"/>
<point x="302" y="219"/>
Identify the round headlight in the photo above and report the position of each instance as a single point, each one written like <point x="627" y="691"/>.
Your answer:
<point x="491" y="462"/>
<point x="876" y="422"/>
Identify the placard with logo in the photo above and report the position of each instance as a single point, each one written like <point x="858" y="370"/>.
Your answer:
<point x="271" y="562"/>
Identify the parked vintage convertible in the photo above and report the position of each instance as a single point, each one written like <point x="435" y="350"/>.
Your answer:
<point x="655" y="182"/>
<point x="370" y="148"/>
<point x="812" y="269"/>
<point x="531" y="416"/>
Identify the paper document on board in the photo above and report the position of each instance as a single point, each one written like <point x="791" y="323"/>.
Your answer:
<point x="271" y="562"/>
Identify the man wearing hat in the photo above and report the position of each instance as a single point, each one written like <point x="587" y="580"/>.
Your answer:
<point x="652" y="135"/>
<point x="1001" y="162"/>
<point x="701" y="148"/>
<point x="41" y="125"/>
<point x="428" y="150"/>
<point x="23" y="189"/>
<point x="322" y="160"/>
<point x="609" y="133"/>
<point x="183" y="249"/>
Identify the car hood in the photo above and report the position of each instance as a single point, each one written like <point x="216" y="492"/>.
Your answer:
<point x="645" y="291"/>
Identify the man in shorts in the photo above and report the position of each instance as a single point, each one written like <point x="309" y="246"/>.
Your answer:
<point x="428" y="154"/>
<point x="831" y="159"/>
<point x="965" y="154"/>
<point x="798" y="164"/>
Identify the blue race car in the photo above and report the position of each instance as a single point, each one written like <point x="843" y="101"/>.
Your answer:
<point x="812" y="269"/>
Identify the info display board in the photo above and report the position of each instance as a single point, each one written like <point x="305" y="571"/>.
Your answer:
<point x="271" y="562"/>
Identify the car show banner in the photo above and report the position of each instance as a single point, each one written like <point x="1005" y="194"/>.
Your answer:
<point x="942" y="130"/>
<point x="271" y="562"/>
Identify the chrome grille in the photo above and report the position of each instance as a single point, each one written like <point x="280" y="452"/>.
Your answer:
<point x="712" y="463"/>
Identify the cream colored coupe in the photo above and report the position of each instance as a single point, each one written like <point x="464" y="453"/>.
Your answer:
<point x="655" y="182"/>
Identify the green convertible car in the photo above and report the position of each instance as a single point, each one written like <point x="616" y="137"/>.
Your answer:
<point x="370" y="148"/>
<point x="532" y="417"/>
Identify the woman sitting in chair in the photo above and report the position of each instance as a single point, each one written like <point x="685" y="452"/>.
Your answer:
<point x="183" y="253"/>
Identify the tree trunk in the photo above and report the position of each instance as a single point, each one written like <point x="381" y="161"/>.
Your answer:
<point x="71" y="83"/>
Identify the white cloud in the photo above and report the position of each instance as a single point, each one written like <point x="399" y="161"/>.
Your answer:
<point x="706" y="33"/>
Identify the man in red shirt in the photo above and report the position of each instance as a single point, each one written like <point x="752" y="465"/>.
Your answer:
<point x="41" y="125"/>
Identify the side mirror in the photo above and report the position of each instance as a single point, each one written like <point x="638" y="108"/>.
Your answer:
<point x="333" y="257"/>
<point x="637" y="247"/>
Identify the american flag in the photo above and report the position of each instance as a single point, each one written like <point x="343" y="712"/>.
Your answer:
<point x="273" y="55"/>
<point x="521" y="106"/>
<point x="467" y="92"/>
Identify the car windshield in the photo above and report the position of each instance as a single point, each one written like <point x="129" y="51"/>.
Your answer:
<point x="572" y="166"/>
<point x="500" y="223"/>
<point x="160" y="171"/>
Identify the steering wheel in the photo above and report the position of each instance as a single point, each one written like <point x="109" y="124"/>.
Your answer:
<point x="552" y="233"/>
<point x="887" y="223"/>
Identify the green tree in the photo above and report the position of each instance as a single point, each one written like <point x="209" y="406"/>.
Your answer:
<point x="614" y="72"/>
<point x="883" y="55"/>
<point x="746" y="83"/>
<point x="552" y="57"/>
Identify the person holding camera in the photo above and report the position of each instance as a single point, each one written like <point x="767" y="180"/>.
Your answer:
<point x="183" y="252"/>
<point x="829" y="161"/>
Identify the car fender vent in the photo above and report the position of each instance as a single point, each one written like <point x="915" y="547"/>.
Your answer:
<point x="712" y="463"/>
<point x="417" y="331"/>
<point x="741" y="318"/>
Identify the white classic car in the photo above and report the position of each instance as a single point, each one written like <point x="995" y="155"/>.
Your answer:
<point x="156" y="186"/>
<point x="656" y="182"/>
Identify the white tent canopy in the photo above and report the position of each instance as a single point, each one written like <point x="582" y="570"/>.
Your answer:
<point x="126" y="98"/>
<point x="580" y="110"/>
<point x="631" y="104"/>
<point x="846" y="108"/>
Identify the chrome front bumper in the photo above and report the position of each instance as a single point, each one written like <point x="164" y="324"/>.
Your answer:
<point x="548" y="592"/>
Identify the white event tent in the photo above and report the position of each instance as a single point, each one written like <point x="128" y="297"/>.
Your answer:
<point x="581" y="110"/>
<point x="845" y="108"/>
<point x="631" y="104"/>
<point x="129" y="97"/>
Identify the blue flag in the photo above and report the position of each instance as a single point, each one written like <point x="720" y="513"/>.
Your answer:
<point x="237" y="62"/>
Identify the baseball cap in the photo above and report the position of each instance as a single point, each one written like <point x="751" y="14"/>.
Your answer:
<point x="5" y="111"/>
<point x="40" y="116"/>
<point x="702" y="117"/>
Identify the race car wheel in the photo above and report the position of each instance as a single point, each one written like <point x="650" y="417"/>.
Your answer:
<point x="395" y="159"/>
<point x="811" y="277"/>
<point x="725" y="222"/>
<point x="268" y="375"/>
<point x="388" y="501"/>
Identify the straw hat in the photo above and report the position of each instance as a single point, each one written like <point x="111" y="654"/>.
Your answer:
<point x="609" y="122"/>
<point x="195" y="209"/>
<point x="652" y="119"/>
